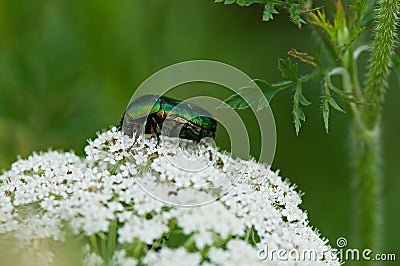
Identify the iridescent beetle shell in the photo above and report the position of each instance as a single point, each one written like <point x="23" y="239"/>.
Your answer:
<point x="153" y="114"/>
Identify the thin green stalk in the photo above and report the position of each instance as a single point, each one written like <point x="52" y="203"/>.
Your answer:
<point x="93" y="242"/>
<point x="366" y="140"/>
<point x="111" y="239"/>
<point x="103" y="247"/>
<point x="137" y="252"/>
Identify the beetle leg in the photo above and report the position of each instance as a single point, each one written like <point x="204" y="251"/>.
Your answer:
<point x="142" y="125"/>
<point x="156" y="129"/>
<point x="200" y="136"/>
<point x="205" y="145"/>
<point x="178" y="126"/>
<point x="209" y="152"/>
<point x="119" y="127"/>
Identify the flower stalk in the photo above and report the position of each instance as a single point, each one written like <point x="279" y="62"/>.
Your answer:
<point x="366" y="135"/>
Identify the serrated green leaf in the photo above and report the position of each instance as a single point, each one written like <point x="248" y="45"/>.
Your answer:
<point x="298" y="113"/>
<point x="296" y="9"/>
<point x="325" y="105"/>
<point x="328" y="101"/>
<point x="295" y="15"/>
<point x="289" y="70"/>
<point x="303" y="100"/>
<point x="297" y="124"/>
<point x="244" y="98"/>
<point x="325" y="113"/>
<point x="269" y="10"/>
<point x="246" y="2"/>
<point x="270" y="90"/>
<point x="251" y="93"/>
<point x="334" y="104"/>
<point x="240" y="2"/>
<point x="236" y="102"/>
<point x="262" y="103"/>
<point x="299" y="97"/>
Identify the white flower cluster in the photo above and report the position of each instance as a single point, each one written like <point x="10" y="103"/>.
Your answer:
<point x="112" y="199"/>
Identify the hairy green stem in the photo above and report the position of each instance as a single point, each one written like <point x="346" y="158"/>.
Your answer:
<point x="366" y="151"/>
<point x="384" y="43"/>
<point x="366" y="139"/>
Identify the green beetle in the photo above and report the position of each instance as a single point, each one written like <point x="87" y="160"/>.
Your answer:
<point x="149" y="113"/>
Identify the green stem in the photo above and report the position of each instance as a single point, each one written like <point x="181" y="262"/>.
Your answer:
<point x="366" y="139"/>
<point x="384" y="43"/>
<point x="366" y="151"/>
<point x="103" y="246"/>
<point x="111" y="239"/>
<point x="137" y="252"/>
<point x="93" y="241"/>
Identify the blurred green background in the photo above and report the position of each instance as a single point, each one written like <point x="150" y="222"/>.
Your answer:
<point x="69" y="68"/>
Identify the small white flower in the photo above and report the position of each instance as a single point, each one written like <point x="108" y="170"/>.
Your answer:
<point x="238" y="252"/>
<point x="92" y="259"/>
<point x="209" y="221"/>
<point x="120" y="259"/>
<point x="172" y="257"/>
<point x="49" y="194"/>
<point x="146" y="230"/>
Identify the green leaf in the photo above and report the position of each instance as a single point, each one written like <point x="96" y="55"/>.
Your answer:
<point x="297" y="115"/>
<point x="300" y="113"/>
<point x="289" y="70"/>
<point x="296" y="9"/>
<point x="325" y="105"/>
<point x="327" y="102"/>
<point x="295" y="15"/>
<point x="298" y="101"/>
<point x="240" y="2"/>
<point x="325" y="113"/>
<point x="238" y="100"/>
<point x="269" y="10"/>
<point x="270" y="90"/>
<point x="334" y="104"/>
<point x="262" y="103"/>
<point x="299" y="97"/>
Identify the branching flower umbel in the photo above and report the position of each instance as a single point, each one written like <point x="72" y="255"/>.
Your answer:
<point x="53" y="197"/>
